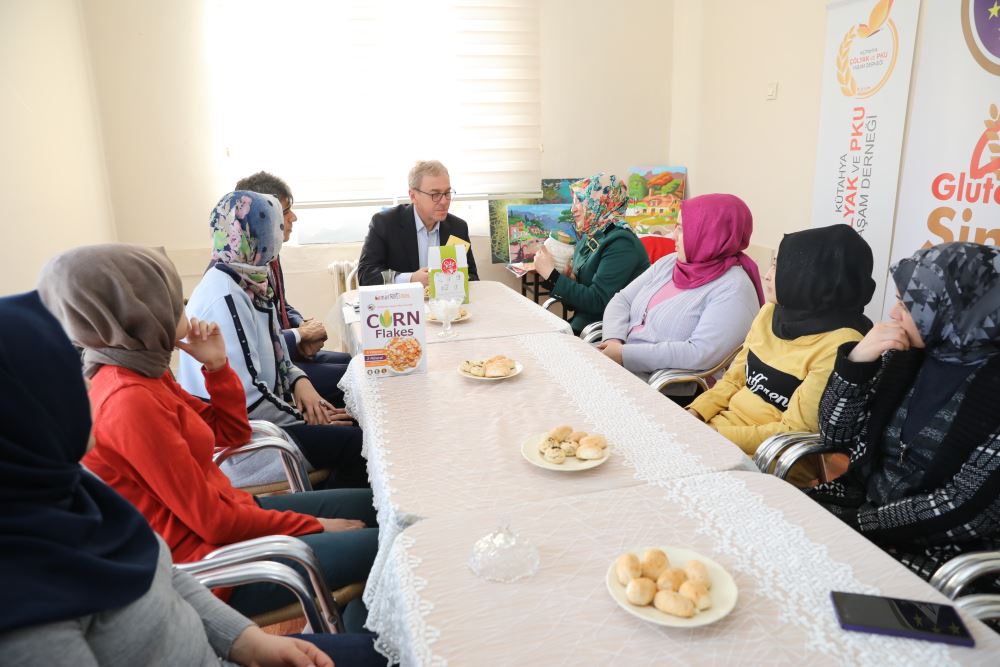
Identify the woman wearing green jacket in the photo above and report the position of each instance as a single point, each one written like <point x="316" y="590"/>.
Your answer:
<point x="608" y="254"/>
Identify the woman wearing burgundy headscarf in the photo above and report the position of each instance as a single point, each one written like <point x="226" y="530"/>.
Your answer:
<point x="817" y="290"/>
<point x="691" y="308"/>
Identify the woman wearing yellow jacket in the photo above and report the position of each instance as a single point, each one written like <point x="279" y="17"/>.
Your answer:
<point x="816" y="290"/>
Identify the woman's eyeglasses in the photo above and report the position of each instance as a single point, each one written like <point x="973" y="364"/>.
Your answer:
<point x="438" y="196"/>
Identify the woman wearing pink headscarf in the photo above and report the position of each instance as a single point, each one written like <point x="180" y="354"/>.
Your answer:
<point x="692" y="308"/>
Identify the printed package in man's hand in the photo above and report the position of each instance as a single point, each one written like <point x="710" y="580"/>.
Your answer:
<point x="448" y="272"/>
<point x="392" y="329"/>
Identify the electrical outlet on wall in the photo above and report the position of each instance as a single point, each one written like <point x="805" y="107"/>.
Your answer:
<point x="772" y="91"/>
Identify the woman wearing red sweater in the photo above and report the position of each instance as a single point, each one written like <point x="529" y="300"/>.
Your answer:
<point x="154" y="441"/>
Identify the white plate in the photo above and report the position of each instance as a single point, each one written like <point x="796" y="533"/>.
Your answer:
<point x="517" y="370"/>
<point x="529" y="450"/>
<point x="434" y="320"/>
<point x="723" y="591"/>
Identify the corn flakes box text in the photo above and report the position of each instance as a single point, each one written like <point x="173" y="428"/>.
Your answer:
<point x="392" y="329"/>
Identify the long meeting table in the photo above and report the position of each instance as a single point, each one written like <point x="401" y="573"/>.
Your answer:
<point x="445" y="463"/>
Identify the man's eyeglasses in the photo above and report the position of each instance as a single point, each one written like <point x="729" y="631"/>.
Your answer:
<point x="438" y="196"/>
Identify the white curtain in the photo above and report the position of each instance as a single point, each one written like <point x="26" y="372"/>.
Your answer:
<point x="340" y="97"/>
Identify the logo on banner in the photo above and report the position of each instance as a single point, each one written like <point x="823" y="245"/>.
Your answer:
<point x="977" y="189"/>
<point x="981" y="25"/>
<point x="867" y="54"/>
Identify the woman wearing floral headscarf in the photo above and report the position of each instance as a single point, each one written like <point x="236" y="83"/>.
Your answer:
<point x="235" y="293"/>
<point x="915" y="405"/>
<point x="608" y="254"/>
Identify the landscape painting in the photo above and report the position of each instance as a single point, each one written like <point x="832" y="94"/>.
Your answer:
<point x="556" y="190"/>
<point x="530" y="224"/>
<point x="499" y="238"/>
<point x="655" y="195"/>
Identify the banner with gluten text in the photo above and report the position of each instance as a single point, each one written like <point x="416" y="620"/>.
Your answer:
<point x="865" y="85"/>
<point x="950" y="184"/>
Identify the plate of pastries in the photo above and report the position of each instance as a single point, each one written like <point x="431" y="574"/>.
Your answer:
<point x="463" y="315"/>
<point x="671" y="586"/>
<point x="566" y="449"/>
<point x="497" y="367"/>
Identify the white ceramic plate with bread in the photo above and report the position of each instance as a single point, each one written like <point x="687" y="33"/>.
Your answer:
<point x="695" y="604"/>
<point x="511" y="369"/>
<point x="532" y="453"/>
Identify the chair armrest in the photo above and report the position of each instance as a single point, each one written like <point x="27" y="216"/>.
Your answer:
<point x="291" y="459"/>
<point x="548" y="302"/>
<point x="275" y="573"/>
<point x="592" y="332"/>
<point x="952" y="577"/>
<point x="981" y="606"/>
<point x="668" y="376"/>
<point x="260" y="428"/>
<point x="804" y="446"/>
<point x="769" y="451"/>
<point x="285" y="547"/>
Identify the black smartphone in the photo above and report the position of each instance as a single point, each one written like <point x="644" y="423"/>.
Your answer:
<point x="901" y="618"/>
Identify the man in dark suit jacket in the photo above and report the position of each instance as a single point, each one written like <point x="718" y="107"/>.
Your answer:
<point x="398" y="239"/>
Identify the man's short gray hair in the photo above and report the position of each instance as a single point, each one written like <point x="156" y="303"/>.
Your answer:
<point x="425" y="168"/>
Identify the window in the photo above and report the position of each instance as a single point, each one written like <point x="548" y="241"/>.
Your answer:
<point x="340" y="97"/>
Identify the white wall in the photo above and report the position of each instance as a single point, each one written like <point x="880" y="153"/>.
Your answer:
<point x="730" y="137"/>
<point x="52" y="175"/>
<point x="606" y="85"/>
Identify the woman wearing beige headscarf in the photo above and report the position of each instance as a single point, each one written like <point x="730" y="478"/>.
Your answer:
<point x="154" y="441"/>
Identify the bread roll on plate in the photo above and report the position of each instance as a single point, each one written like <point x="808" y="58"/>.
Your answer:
<point x="671" y="579"/>
<point x="594" y="440"/>
<point x="697" y="592"/>
<point x="559" y="433"/>
<point x="653" y="562"/>
<point x="674" y="604"/>
<point x="640" y="591"/>
<point x="589" y="452"/>
<point x="696" y="571"/>
<point x="627" y="568"/>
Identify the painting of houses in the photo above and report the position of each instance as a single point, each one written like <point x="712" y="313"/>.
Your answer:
<point x="499" y="231"/>
<point x="655" y="195"/>
<point x="530" y="224"/>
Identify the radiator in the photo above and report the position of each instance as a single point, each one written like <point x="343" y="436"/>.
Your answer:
<point x="345" y="275"/>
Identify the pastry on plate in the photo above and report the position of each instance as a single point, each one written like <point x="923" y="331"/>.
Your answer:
<point x="627" y="568"/>
<point x="499" y="367"/>
<point x="640" y="591"/>
<point x="561" y="433"/>
<point x="697" y="571"/>
<point x="653" y="563"/>
<point x="589" y="453"/>
<point x="554" y="455"/>
<point x="569" y="447"/>
<point x="697" y="592"/>
<point x="671" y="579"/>
<point x="594" y="440"/>
<point x="674" y="604"/>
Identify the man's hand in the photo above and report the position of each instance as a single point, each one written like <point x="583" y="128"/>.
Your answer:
<point x="883" y="337"/>
<point x="256" y="648"/>
<point x="612" y="349"/>
<point x="308" y="349"/>
<point x="205" y="343"/>
<point x="544" y="262"/>
<point x="419" y="276"/>
<point x="312" y="330"/>
<point x="313" y="407"/>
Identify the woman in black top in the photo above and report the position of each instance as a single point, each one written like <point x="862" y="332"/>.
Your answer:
<point x="915" y="405"/>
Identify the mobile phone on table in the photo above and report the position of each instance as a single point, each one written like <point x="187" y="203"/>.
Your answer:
<point x="901" y="618"/>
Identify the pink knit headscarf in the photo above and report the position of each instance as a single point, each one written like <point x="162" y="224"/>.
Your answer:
<point x="717" y="229"/>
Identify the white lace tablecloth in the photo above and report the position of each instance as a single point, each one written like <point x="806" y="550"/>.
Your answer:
<point x="785" y="552"/>
<point x="440" y="443"/>
<point x="495" y="310"/>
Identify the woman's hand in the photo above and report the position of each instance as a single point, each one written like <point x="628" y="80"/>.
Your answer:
<point x="612" y="349"/>
<point x="205" y="343"/>
<point x="883" y="337"/>
<point x="695" y="413"/>
<point x="313" y="407"/>
<point x="340" y="525"/>
<point x="544" y="262"/>
<point x="338" y="415"/>
<point x="256" y="648"/>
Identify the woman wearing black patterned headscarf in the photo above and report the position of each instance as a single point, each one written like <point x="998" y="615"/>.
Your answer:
<point x="914" y="404"/>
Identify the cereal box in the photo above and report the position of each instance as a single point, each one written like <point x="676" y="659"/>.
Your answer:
<point x="392" y="329"/>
